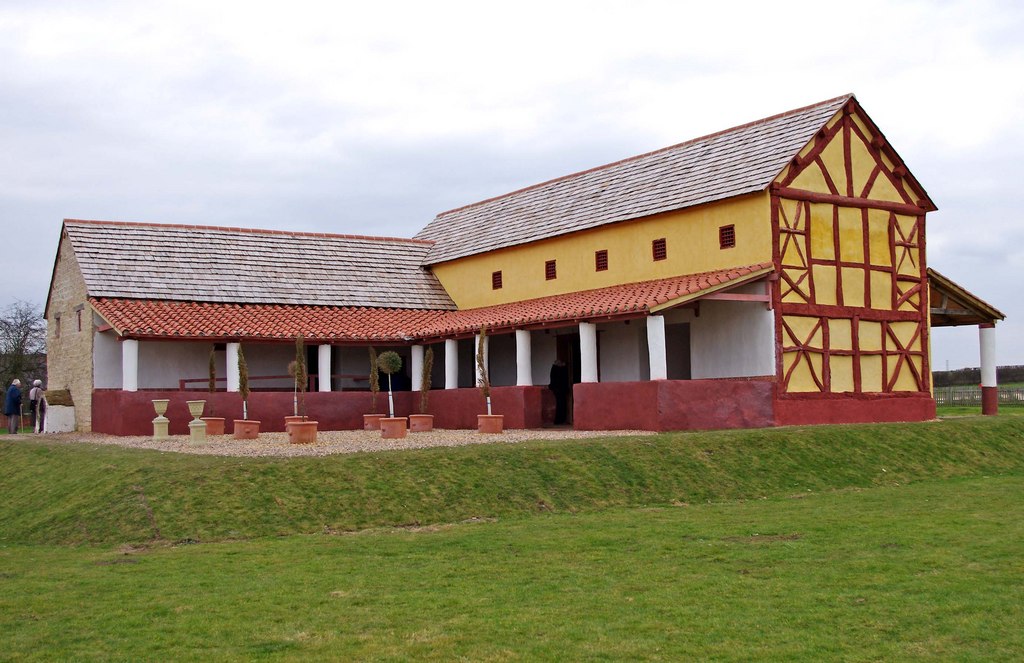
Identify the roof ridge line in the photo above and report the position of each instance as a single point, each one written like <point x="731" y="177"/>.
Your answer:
<point x="747" y="125"/>
<point x="255" y="231"/>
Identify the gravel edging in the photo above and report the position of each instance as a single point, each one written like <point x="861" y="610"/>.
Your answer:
<point x="328" y="442"/>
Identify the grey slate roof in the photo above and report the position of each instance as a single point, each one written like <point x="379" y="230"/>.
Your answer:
<point x="208" y="264"/>
<point x="730" y="163"/>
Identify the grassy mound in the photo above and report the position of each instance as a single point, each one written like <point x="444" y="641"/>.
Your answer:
<point x="86" y="494"/>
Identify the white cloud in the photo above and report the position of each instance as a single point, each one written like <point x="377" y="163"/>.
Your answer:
<point x="326" y="115"/>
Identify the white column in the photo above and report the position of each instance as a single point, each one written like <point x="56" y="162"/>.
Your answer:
<point x="588" y="352"/>
<point x="323" y="364"/>
<point x="987" y="338"/>
<point x="524" y="359"/>
<point x="656" y="347"/>
<point x="130" y="364"/>
<point x="451" y="364"/>
<point x="487" y="357"/>
<point x="416" y="367"/>
<point x="231" y="365"/>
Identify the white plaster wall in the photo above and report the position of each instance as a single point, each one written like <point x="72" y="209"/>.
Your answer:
<point x="543" y="350"/>
<point x="163" y="363"/>
<point x="732" y="339"/>
<point x="268" y="359"/>
<point x="106" y="361"/>
<point x="621" y="353"/>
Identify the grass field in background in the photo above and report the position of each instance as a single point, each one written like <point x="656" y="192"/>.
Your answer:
<point x="874" y="542"/>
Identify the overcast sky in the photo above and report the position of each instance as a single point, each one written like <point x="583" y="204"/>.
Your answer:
<point x="370" y="118"/>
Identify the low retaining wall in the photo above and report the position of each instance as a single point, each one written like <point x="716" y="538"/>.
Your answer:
<point x="854" y="409"/>
<point x="662" y="405"/>
<point x="117" y="412"/>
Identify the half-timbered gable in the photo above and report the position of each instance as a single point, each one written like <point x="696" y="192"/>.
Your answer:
<point x="852" y="305"/>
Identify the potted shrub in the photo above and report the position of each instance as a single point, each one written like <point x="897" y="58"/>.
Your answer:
<point x="300" y="429"/>
<point x="423" y="422"/>
<point x="486" y="423"/>
<point x="372" y="421"/>
<point x="391" y="426"/>
<point x="214" y="425"/>
<point x="245" y="428"/>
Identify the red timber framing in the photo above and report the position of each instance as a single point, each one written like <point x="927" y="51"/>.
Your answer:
<point x="851" y="301"/>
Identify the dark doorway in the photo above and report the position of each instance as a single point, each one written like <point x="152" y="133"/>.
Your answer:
<point x="567" y="350"/>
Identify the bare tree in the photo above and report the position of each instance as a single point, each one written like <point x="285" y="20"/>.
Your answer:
<point x="22" y="343"/>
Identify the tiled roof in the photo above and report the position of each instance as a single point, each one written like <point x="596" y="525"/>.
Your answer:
<point x="613" y="301"/>
<point x="171" y="319"/>
<point x="726" y="164"/>
<point x="241" y="266"/>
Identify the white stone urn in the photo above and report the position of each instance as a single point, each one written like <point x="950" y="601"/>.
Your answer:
<point x="161" y="422"/>
<point x="195" y="408"/>
<point x="196" y="427"/>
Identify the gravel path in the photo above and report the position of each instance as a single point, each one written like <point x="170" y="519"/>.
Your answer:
<point x="329" y="442"/>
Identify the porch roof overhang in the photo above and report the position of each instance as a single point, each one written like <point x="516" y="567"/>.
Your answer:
<point x="212" y="321"/>
<point x="953" y="305"/>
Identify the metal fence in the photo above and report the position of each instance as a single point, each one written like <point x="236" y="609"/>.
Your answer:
<point x="972" y="396"/>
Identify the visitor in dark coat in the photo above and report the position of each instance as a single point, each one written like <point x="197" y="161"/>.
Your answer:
<point x="12" y="406"/>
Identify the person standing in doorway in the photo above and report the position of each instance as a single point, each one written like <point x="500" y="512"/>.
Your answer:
<point x="12" y="406"/>
<point x="559" y="385"/>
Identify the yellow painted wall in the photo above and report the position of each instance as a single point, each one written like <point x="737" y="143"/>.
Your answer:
<point x="858" y="285"/>
<point x="692" y="245"/>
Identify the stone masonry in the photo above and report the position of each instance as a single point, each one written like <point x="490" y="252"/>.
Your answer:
<point x="69" y="342"/>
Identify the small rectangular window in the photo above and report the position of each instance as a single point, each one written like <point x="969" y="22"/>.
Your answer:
<point x="550" y="272"/>
<point x="56" y="326"/>
<point x="601" y="260"/>
<point x="496" y="280"/>
<point x="659" y="249"/>
<point x="727" y="237"/>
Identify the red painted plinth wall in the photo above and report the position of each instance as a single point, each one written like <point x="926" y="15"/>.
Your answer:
<point x="117" y="412"/>
<point x="854" y="409"/>
<point x="673" y="405"/>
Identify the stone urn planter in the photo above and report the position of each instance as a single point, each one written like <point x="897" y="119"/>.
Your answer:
<point x="196" y="427"/>
<point x="161" y="422"/>
<point x="246" y="429"/>
<point x="302" y="432"/>
<point x="392" y="427"/>
<point x="490" y="423"/>
<point x="421" y="423"/>
<point x="372" y="421"/>
<point x="214" y="425"/>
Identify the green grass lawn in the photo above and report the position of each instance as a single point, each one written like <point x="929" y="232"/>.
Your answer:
<point x="882" y="542"/>
<point x="927" y="571"/>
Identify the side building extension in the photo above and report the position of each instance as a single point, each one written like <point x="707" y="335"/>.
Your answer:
<point x="770" y="274"/>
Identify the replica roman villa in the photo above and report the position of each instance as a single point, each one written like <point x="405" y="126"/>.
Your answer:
<point x="770" y="274"/>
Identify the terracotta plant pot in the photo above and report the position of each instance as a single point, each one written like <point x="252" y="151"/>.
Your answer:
<point x="246" y="429"/>
<point x="421" y="423"/>
<point x="214" y="425"/>
<point x="302" y="432"/>
<point x="490" y="423"/>
<point x="293" y="417"/>
<point x="392" y="427"/>
<point x="372" y="421"/>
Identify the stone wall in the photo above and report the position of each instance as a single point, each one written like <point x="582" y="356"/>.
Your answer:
<point x="69" y="335"/>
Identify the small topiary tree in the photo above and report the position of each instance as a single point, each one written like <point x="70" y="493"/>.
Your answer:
<point x="243" y="382"/>
<point x="297" y="369"/>
<point x="374" y="380"/>
<point x="212" y="386"/>
<point x="428" y="367"/>
<point x="484" y="382"/>
<point x="389" y="362"/>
